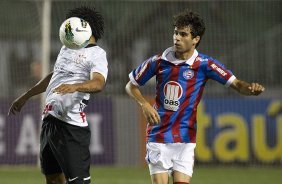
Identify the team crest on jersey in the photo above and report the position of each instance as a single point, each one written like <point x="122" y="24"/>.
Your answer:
<point x="172" y="92"/>
<point x="80" y="58"/>
<point x="188" y="74"/>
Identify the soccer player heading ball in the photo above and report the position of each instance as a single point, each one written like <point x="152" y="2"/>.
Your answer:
<point x="65" y="135"/>
<point x="181" y="74"/>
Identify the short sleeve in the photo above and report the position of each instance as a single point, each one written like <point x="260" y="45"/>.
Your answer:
<point x="143" y="72"/>
<point x="100" y="65"/>
<point x="217" y="71"/>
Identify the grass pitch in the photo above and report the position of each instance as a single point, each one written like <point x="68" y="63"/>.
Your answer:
<point x="132" y="175"/>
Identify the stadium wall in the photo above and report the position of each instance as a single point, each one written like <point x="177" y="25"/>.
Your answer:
<point x="230" y="130"/>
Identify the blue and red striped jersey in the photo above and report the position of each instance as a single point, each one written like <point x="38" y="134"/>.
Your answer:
<point x="179" y="88"/>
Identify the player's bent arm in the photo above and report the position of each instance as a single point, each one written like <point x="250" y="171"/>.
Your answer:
<point x="135" y="93"/>
<point x="246" y="88"/>
<point x="40" y="87"/>
<point x="149" y="112"/>
<point x="95" y="85"/>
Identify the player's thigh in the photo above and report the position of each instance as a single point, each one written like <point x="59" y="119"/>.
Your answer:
<point x="158" y="157"/>
<point x="180" y="177"/>
<point x="75" y="153"/>
<point x="70" y="146"/>
<point x="183" y="161"/>
<point x="48" y="162"/>
<point x="160" y="178"/>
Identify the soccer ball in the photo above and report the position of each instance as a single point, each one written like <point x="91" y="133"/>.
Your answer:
<point x="75" y="33"/>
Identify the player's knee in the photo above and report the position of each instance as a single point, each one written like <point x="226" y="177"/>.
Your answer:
<point x="58" y="178"/>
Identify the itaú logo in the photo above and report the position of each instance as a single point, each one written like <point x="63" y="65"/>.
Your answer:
<point x="172" y="92"/>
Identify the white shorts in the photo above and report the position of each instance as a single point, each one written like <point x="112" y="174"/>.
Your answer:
<point x="170" y="157"/>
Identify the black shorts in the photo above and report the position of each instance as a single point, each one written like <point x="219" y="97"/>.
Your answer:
<point x="65" y="148"/>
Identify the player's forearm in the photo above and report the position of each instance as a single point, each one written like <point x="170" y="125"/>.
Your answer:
<point x="242" y="87"/>
<point x="135" y="93"/>
<point x="246" y="88"/>
<point x="40" y="87"/>
<point x="91" y="86"/>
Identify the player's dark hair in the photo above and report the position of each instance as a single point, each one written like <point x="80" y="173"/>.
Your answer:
<point x="90" y="15"/>
<point x="193" y="21"/>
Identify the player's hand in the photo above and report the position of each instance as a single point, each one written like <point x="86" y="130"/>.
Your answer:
<point x="17" y="105"/>
<point x="150" y="114"/>
<point x="65" y="88"/>
<point x="256" y="89"/>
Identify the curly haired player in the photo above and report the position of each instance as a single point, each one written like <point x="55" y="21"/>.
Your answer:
<point x="65" y="135"/>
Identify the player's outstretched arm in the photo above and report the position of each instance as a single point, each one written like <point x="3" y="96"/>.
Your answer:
<point x="94" y="85"/>
<point x="40" y="87"/>
<point x="149" y="112"/>
<point x="247" y="89"/>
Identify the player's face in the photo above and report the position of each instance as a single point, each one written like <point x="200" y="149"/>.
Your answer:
<point x="183" y="40"/>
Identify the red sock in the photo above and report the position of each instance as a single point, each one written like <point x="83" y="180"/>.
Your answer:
<point x="179" y="182"/>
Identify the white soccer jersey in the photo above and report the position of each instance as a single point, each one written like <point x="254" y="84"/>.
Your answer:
<point x="73" y="66"/>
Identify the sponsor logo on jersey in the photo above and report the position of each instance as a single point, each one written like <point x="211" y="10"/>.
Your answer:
<point x="138" y="75"/>
<point x="188" y="74"/>
<point x="172" y="92"/>
<point x="201" y="59"/>
<point x="218" y="69"/>
<point x="162" y="71"/>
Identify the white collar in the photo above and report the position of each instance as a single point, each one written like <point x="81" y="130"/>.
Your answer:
<point x="168" y="55"/>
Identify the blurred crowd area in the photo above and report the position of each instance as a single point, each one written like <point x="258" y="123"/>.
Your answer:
<point x="244" y="35"/>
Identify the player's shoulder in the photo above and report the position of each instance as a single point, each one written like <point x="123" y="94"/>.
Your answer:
<point x="96" y="53"/>
<point x="205" y="59"/>
<point x="156" y="58"/>
<point x="153" y="59"/>
<point x="95" y="49"/>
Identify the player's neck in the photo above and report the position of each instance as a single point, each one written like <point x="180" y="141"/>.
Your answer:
<point x="92" y="40"/>
<point x="184" y="55"/>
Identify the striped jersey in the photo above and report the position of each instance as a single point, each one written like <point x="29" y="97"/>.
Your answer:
<point x="73" y="66"/>
<point x="179" y="88"/>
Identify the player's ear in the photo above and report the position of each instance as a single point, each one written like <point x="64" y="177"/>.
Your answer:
<point x="196" y="40"/>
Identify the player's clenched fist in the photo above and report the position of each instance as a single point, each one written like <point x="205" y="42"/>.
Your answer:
<point x="256" y="88"/>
